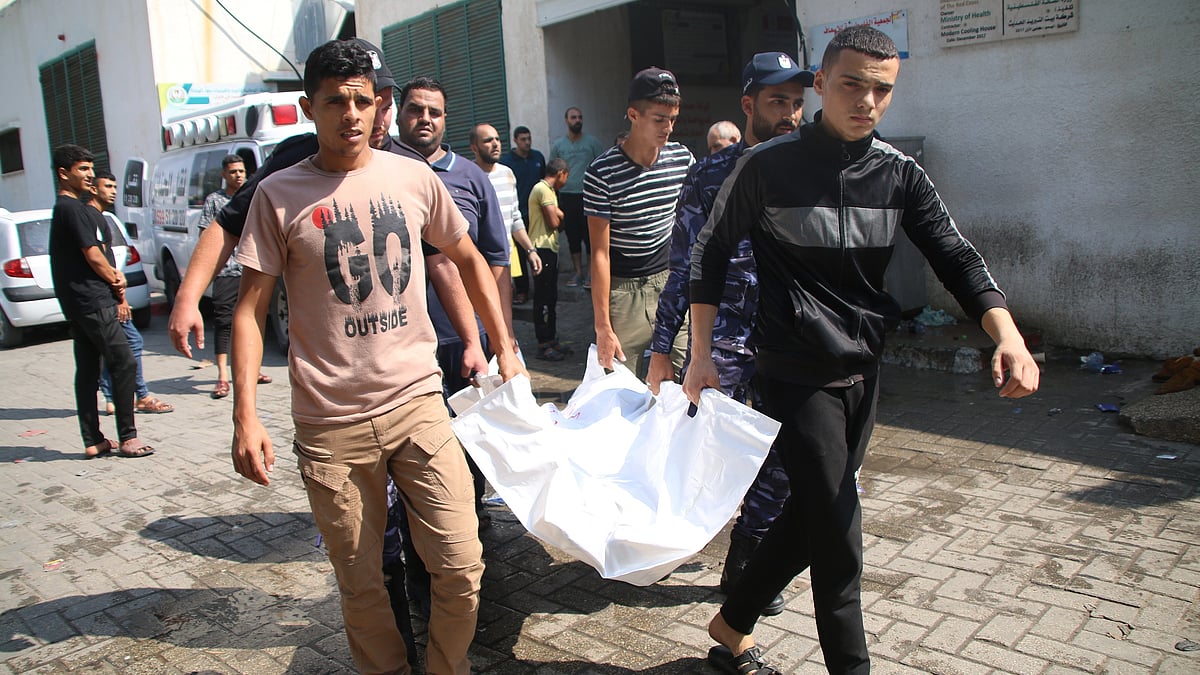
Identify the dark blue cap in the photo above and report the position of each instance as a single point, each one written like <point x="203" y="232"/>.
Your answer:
<point x="767" y="68"/>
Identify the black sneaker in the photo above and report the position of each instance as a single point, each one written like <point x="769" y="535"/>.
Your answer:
<point x="776" y="606"/>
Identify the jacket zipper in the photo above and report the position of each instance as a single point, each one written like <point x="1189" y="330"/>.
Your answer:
<point x="842" y="213"/>
<point x="858" y="337"/>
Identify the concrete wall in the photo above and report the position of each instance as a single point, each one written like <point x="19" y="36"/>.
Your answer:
<point x="28" y="38"/>
<point x="588" y="67"/>
<point x="1070" y="161"/>
<point x="138" y="44"/>
<point x="583" y="62"/>
<point x="525" y="58"/>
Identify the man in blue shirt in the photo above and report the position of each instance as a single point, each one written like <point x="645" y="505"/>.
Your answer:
<point x="528" y="165"/>
<point x="422" y="125"/>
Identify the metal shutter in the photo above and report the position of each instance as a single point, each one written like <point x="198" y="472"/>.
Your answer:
<point x="461" y="45"/>
<point x="73" y="104"/>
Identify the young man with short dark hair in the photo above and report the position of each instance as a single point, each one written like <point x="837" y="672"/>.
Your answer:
<point x="225" y="286"/>
<point x="216" y="244"/>
<point x="529" y="166"/>
<point x="104" y="195"/>
<point x="346" y="226"/>
<point x="630" y="194"/>
<point x="821" y="208"/>
<point x="89" y="289"/>
<point x="545" y="222"/>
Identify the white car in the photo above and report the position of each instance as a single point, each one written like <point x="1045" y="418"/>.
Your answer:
<point x="27" y="296"/>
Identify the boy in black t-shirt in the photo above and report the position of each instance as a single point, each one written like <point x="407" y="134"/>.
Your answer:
<point x="89" y="288"/>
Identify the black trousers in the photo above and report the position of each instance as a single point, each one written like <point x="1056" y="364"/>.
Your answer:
<point x="545" y="298"/>
<point x="574" y="222"/>
<point x="95" y="336"/>
<point x="224" y="298"/>
<point x="822" y="444"/>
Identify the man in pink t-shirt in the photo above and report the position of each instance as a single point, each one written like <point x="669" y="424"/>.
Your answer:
<point x="343" y="229"/>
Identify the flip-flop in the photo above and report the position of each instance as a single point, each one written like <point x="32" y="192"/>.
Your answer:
<point x="264" y="379"/>
<point x="144" y="451"/>
<point x="100" y="453"/>
<point x="749" y="662"/>
<point x="221" y="390"/>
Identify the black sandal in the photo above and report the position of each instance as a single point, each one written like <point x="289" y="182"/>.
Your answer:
<point x="550" y="354"/>
<point x="749" y="662"/>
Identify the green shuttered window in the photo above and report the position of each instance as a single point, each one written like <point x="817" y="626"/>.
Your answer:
<point x="74" y="108"/>
<point x="461" y="45"/>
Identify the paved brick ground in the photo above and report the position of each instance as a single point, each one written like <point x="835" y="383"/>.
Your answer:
<point x="1002" y="537"/>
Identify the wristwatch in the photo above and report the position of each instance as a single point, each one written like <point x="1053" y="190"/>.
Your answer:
<point x="530" y="252"/>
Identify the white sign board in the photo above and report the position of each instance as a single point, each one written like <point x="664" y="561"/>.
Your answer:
<point x="962" y="22"/>
<point x="893" y="24"/>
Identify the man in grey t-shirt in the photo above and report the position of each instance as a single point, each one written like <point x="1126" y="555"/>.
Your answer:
<point x="578" y="149"/>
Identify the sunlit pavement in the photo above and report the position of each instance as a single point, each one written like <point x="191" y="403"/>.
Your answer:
<point x="1031" y="536"/>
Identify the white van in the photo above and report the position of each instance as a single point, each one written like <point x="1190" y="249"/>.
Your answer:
<point x="164" y="199"/>
<point x="27" y="294"/>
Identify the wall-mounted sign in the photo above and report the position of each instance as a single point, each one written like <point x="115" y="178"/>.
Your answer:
<point x="894" y="24"/>
<point x="964" y="22"/>
<point x="179" y="98"/>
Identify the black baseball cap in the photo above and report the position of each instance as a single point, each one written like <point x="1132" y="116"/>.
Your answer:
<point x="651" y="83"/>
<point x="768" y="68"/>
<point x="383" y="76"/>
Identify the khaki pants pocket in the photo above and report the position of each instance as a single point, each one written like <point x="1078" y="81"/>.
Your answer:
<point x="335" y="501"/>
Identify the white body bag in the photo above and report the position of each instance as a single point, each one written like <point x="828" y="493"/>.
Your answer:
<point x="620" y="479"/>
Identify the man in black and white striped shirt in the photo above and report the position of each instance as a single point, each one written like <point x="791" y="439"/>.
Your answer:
<point x="629" y="196"/>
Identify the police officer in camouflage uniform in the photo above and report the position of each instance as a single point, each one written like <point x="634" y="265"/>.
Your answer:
<point x="772" y="98"/>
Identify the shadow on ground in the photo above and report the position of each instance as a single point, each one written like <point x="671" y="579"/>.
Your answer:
<point x="26" y="453"/>
<point x="267" y="537"/>
<point x="218" y="618"/>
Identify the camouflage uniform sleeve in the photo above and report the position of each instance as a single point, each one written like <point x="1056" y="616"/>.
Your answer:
<point x="674" y="301"/>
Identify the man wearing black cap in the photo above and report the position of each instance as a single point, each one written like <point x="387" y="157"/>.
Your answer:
<point x="772" y="99"/>
<point x="630" y="193"/>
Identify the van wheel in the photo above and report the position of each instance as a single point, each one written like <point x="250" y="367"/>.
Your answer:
<point x="10" y="335"/>
<point x="141" y="318"/>
<point x="277" y="316"/>
<point x="171" y="282"/>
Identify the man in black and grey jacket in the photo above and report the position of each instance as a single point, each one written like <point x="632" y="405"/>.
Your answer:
<point x="822" y="207"/>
